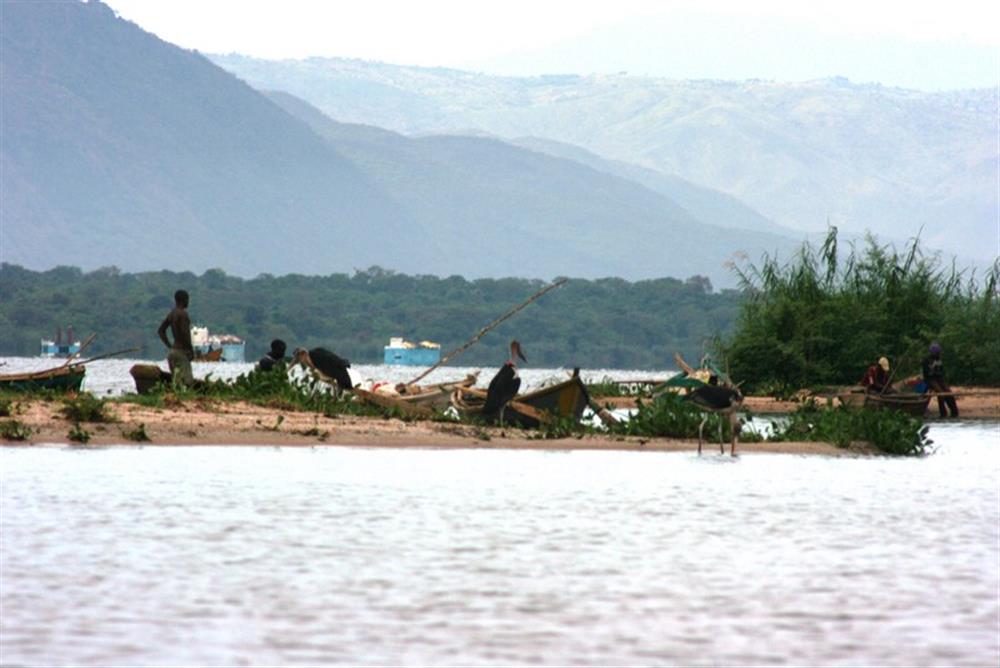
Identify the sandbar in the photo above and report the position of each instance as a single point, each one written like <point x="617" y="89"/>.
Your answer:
<point x="207" y="422"/>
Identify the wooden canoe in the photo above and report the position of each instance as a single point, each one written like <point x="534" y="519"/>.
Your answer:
<point x="419" y="400"/>
<point x="66" y="378"/>
<point x="437" y="395"/>
<point x="907" y="402"/>
<point x="531" y="410"/>
<point x="911" y="404"/>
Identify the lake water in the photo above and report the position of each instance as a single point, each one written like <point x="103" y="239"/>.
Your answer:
<point x="111" y="377"/>
<point x="305" y="556"/>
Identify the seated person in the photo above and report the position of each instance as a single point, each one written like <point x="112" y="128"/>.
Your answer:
<point x="876" y="378"/>
<point x="274" y="357"/>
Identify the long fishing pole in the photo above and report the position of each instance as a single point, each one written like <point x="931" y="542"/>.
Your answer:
<point x="83" y="346"/>
<point x="117" y="352"/>
<point x="462" y="348"/>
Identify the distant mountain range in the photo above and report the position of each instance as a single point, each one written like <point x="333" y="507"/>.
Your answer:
<point x="121" y="149"/>
<point x="864" y="157"/>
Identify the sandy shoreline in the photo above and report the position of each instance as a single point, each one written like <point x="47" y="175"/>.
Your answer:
<point x="977" y="403"/>
<point x="237" y="423"/>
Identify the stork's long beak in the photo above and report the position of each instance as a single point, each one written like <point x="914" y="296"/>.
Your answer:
<point x="301" y="356"/>
<point x="515" y="349"/>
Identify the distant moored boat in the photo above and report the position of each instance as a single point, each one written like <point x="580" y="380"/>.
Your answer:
<point x="401" y="351"/>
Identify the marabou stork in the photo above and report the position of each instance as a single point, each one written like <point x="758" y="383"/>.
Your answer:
<point x="504" y="385"/>
<point x="721" y="401"/>
<point x="331" y="366"/>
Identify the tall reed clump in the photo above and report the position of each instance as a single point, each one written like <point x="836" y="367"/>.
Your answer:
<point x="890" y="432"/>
<point x="823" y="317"/>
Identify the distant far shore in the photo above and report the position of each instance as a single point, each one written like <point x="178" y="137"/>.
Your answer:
<point x="203" y="422"/>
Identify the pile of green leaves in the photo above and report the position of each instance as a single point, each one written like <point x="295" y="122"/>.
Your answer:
<point x="891" y="432"/>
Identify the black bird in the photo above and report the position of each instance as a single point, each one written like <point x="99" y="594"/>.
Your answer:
<point x="329" y="364"/>
<point x="721" y="401"/>
<point x="504" y="385"/>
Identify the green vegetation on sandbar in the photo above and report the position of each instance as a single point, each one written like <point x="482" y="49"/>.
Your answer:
<point x="890" y="432"/>
<point x="822" y="318"/>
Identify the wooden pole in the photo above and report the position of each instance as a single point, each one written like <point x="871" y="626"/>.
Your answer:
<point x="83" y="347"/>
<point x="468" y="344"/>
<point x="106" y="355"/>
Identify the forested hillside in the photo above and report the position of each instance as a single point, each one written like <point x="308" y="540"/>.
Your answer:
<point x="592" y="323"/>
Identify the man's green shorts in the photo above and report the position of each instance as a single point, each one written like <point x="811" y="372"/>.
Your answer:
<point x="180" y="367"/>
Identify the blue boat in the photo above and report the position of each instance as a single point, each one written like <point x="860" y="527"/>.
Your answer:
<point x="400" y="351"/>
<point x="53" y="349"/>
<point x="59" y="348"/>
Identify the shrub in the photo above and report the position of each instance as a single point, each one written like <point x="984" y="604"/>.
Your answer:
<point x="78" y="434"/>
<point x="14" y="430"/>
<point x="890" y="432"/>
<point x="85" y="407"/>
<point x="138" y="434"/>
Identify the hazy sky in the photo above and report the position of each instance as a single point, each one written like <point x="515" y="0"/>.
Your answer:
<point x="930" y="45"/>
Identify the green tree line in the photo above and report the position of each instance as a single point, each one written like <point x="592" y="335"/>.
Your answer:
<point x="606" y="323"/>
<point x="824" y="316"/>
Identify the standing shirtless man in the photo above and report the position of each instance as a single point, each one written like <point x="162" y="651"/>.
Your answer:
<point x="181" y="351"/>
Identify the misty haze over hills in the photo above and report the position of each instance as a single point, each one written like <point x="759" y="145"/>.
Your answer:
<point x="864" y="157"/>
<point x="121" y="149"/>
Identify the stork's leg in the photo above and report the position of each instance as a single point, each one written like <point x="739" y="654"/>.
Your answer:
<point x="734" y="423"/>
<point x="701" y="427"/>
<point x="722" y="444"/>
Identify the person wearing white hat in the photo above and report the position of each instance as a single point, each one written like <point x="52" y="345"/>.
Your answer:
<point x="876" y="378"/>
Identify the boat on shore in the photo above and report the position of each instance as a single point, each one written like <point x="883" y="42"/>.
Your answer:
<point x="417" y="400"/>
<point x="66" y="378"/>
<point x="910" y="403"/>
<point x="567" y="399"/>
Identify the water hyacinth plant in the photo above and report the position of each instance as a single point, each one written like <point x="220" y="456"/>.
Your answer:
<point x="890" y="432"/>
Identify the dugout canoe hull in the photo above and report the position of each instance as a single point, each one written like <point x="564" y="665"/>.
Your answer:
<point x="61" y="379"/>
<point x="563" y="400"/>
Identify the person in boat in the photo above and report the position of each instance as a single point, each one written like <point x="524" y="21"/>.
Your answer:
<point x="331" y="366"/>
<point x="504" y="385"/>
<point x="180" y="352"/>
<point x="275" y="356"/>
<point x="876" y="378"/>
<point x="933" y="372"/>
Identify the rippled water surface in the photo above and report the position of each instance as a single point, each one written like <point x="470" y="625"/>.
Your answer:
<point x="239" y="556"/>
<point x="111" y="377"/>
